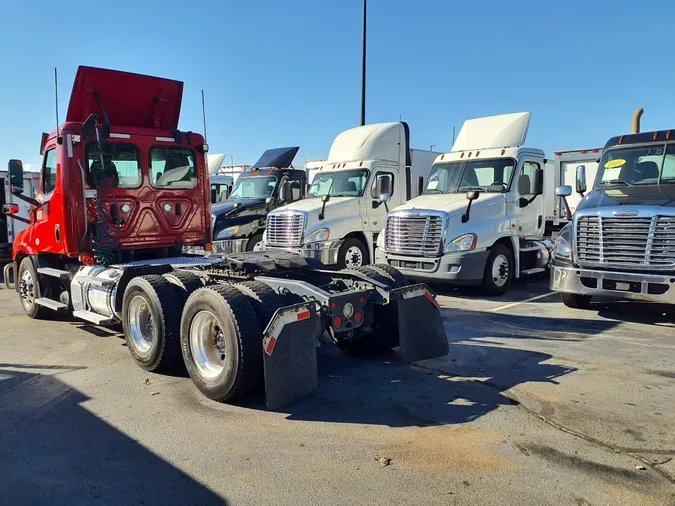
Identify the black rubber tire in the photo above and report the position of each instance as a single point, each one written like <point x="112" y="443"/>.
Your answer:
<point x="253" y="241"/>
<point x="263" y="298"/>
<point x="392" y="273"/>
<point x="384" y="336"/>
<point x="575" y="300"/>
<point x="165" y="302"/>
<point x="489" y="287"/>
<point x="374" y="274"/>
<point x="342" y="254"/>
<point x="187" y="281"/>
<point x="242" y="338"/>
<point x="33" y="311"/>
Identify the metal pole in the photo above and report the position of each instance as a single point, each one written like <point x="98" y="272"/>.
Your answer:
<point x="363" y="67"/>
<point x="431" y="148"/>
<point x="204" y="115"/>
<point x="453" y="134"/>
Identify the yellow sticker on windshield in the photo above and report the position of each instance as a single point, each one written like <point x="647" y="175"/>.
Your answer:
<point x="613" y="164"/>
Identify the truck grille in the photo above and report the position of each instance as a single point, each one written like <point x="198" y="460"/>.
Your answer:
<point x="640" y="242"/>
<point x="285" y="229"/>
<point x="413" y="234"/>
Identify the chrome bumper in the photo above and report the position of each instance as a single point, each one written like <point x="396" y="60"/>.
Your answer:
<point x="324" y="252"/>
<point x="623" y="285"/>
<point x="218" y="248"/>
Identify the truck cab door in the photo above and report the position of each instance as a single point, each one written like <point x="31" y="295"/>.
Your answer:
<point x="375" y="211"/>
<point x="526" y="209"/>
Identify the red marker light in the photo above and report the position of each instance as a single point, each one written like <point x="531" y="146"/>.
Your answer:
<point x="337" y="322"/>
<point x="358" y="317"/>
<point x="362" y="300"/>
<point x="303" y="315"/>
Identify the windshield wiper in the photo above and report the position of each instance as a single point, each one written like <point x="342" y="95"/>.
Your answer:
<point x="615" y="181"/>
<point x="428" y="190"/>
<point x="471" y="189"/>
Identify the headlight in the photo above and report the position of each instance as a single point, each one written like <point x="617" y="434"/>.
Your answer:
<point x="227" y="232"/>
<point x="464" y="242"/>
<point x="380" y="241"/>
<point x="318" y="235"/>
<point x="563" y="247"/>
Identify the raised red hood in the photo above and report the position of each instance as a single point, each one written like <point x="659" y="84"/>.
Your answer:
<point x="133" y="100"/>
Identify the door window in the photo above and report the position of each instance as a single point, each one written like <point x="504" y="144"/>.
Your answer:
<point x="526" y="178"/>
<point x="297" y="189"/>
<point x="49" y="172"/>
<point x="376" y="182"/>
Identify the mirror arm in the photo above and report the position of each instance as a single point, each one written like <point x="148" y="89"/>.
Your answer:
<point x="568" y="211"/>
<point x="323" y="208"/>
<point x="19" y="218"/>
<point x="29" y="200"/>
<point x="465" y="216"/>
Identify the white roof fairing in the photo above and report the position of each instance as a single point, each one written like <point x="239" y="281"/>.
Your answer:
<point x="379" y="141"/>
<point x="504" y="130"/>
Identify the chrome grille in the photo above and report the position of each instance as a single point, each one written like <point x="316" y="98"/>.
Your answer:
<point x="641" y="242"/>
<point x="414" y="234"/>
<point x="285" y="229"/>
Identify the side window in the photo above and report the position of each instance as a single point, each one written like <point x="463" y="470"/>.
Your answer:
<point x="525" y="178"/>
<point x="172" y="168"/>
<point x="376" y="182"/>
<point x="49" y="172"/>
<point x="668" y="172"/>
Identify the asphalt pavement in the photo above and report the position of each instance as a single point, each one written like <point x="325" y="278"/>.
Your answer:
<point x="535" y="404"/>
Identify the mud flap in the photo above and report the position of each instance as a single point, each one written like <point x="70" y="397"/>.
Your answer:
<point x="289" y="351"/>
<point x="420" y="326"/>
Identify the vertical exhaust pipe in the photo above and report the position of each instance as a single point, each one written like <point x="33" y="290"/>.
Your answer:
<point x="636" y="120"/>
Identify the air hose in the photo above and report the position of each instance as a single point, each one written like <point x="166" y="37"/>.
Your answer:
<point x="105" y="236"/>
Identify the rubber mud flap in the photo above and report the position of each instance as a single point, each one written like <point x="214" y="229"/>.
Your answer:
<point x="420" y="325"/>
<point x="289" y="351"/>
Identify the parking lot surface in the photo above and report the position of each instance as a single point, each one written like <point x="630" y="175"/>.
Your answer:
<point x="535" y="404"/>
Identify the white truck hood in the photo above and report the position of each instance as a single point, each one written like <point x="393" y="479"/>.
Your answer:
<point x="451" y="203"/>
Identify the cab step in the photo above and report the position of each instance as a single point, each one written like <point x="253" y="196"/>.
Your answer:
<point x="55" y="273"/>
<point x="91" y="317"/>
<point x="535" y="270"/>
<point x="51" y="304"/>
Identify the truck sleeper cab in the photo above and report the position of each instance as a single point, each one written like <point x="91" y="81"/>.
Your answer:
<point x="481" y="220"/>
<point x="621" y="243"/>
<point x="338" y="223"/>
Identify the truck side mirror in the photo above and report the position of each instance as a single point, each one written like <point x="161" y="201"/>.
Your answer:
<point x="470" y="196"/>
<point x="538" y="181"/>
<point x="89" y="128"/>
<point x="563" y="191"/>
<point x="286" y="192"/>
<point x="16" y="177"/>
<point x="384" y="188"/>
<point x="581" y="179"/>
<point x="420" y="185"/>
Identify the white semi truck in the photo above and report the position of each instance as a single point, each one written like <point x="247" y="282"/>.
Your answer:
<point x="487" y="212"/>
<point x="338" y="223"/>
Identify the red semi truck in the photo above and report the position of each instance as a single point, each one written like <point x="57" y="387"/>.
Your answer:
<point x="122" y="191"/>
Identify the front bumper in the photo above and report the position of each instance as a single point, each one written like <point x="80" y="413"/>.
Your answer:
<point x="218" y="248"/>
<point x="324" y="252"/>
<point x="622" y="285"/>
<point x="456" y="268"/>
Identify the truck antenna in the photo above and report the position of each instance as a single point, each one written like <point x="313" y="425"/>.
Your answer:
<point x="453" y="135"/>
<point x="204" y="116"/>
<point x="363" y="66"/>
<point x="56" y="99"/>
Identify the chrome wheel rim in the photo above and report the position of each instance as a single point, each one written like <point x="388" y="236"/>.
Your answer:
<point x="27" y="289"/>
<point x="500" y="270"/>
<point x="353" y="257"/>
<point x="141" y="324"/>
<point x="207" y="343"/>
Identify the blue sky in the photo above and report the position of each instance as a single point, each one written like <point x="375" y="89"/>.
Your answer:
<point x="278" y="73"/>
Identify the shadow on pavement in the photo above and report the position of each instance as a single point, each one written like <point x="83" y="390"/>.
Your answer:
<point x="636" y="312"/>
<point x="467" y="384"/>
<point x="53" y="451"/>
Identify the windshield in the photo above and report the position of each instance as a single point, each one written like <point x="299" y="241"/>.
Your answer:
<point x="480" y="175"/>
<point x="346" y="183"/>
<point x="254" y="187"/>
<point x="644" y="165"/>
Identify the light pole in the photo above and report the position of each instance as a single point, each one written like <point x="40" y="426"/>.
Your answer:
<point x="431" y="148"/>
<point x="363" y="67"/>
